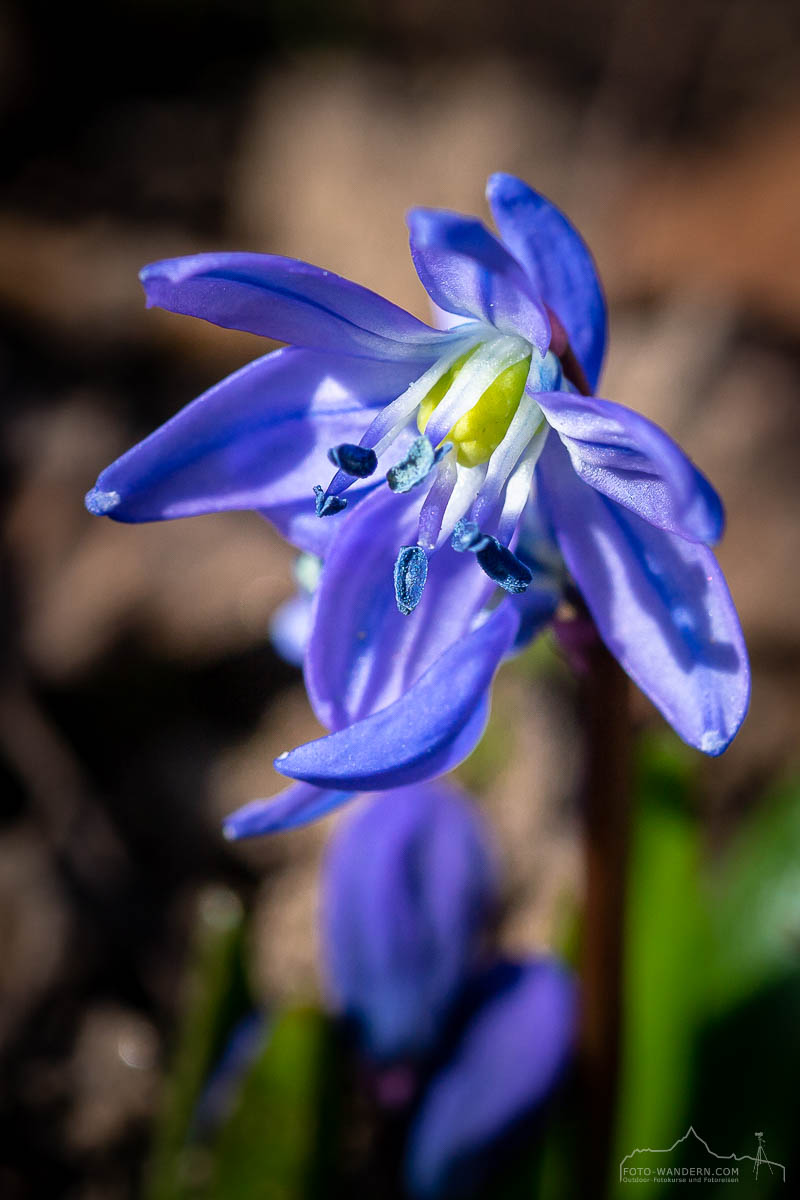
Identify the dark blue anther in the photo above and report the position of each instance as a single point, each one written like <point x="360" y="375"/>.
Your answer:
<point x="410" y="573"/>
<point x="467" y="536"/>
<point x="326" y="506"/>
<point x="499" y="563"/>
<point x="412" y="469"/>
<point x="503" y="567"/>
<point x="354" y="460"/>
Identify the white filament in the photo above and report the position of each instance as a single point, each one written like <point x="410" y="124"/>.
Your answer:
<point x="519" y="488"/>
<point x="526" y="426"/>
<point x="392" y="419"/>
<point x="435" y="506"/>
<point x="468" y="485"/>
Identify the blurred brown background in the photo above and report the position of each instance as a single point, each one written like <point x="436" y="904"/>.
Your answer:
<point x="141" y="700"/>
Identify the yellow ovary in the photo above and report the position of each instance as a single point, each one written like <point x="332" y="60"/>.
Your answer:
<point x="480" y="431"/>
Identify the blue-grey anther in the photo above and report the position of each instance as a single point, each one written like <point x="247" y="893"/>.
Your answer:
<point x="412" y="469"/>
<point x="326" y="506"/>
<point x="467" y="536"/>
<point x="503" y="566"/>
<point x="359" y="461"/>
<point x="410" y="573"/>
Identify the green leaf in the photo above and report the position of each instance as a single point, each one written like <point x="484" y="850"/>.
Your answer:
<point x="667" y="939"/>
<point x="756" y="896"/>
<point x="281" y="1140"/>
<point x="712" y="979"/>
<point x="216" y="996"/>
<point x="748" y="1055"/>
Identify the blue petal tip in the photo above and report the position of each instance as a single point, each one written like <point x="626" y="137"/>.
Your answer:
<point x="503" y="181"/>
<point x="713" y="744"/>
<point x="149" y="275"/>
<point x="101" y="503"/>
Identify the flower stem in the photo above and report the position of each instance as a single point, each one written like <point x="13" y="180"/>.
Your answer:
<point x="607" y="820"/>
<point x="574" y="371"/>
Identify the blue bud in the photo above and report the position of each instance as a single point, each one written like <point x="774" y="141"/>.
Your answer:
<point x="410" y="573"/>
<point x="354" y="460"/>
<point x="508" y="1059"/>
<point x="407" y="887"/>
<point x="412" y="469"/>
<point x="290" y="628"/>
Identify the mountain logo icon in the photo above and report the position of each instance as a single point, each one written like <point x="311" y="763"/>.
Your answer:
<point x="694" y="1161"/>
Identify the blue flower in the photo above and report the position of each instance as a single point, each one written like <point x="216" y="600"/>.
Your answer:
<point x="473" y="1050"/>
<point x="408" y="888"/>
<point x="471" y="426"/>
<point x="409" y="733"/>
<point x="507" y="1061"/>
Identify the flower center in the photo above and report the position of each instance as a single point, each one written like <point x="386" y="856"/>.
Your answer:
<point x="482" y="431"/>
<point x="478" y="433"/>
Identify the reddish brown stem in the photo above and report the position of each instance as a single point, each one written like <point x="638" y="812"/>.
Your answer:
<point x="574" y="371"/>
<point x="607" y="819"/>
